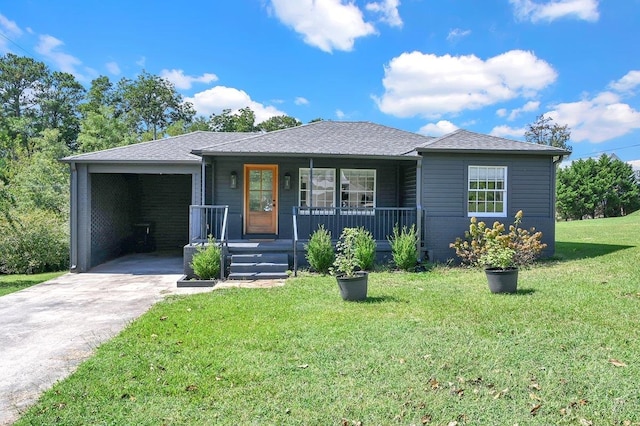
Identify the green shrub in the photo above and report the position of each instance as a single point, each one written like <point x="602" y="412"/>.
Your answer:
<point x="365" y="247"/>
<point x="206" y="260"/>
<point x="526" y="244"/>
<point x="33" y="242"/>
<point x="320" y="253"/>
<point x="404" y="247"/>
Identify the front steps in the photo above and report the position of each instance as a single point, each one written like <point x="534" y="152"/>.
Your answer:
<point x="262" y="266"/>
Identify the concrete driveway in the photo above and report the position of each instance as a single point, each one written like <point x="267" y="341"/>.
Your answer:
<point x="48" y="329"/>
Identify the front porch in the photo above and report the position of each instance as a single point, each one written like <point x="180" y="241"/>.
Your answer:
<point x="205" y="221"/>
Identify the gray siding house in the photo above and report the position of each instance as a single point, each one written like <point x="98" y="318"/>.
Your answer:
<point x="277" y="187"/>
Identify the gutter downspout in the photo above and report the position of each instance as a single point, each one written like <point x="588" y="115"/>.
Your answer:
<point x="419" y="206"/>
<point x="73" y="219"/>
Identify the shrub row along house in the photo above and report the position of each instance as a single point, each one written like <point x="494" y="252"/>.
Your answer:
<point x="247" y="188"/>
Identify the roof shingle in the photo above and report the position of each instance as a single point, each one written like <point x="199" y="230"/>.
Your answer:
<point x="465" y="141"/>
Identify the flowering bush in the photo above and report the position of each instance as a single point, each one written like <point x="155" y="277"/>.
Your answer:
<point x="473" y="249"/>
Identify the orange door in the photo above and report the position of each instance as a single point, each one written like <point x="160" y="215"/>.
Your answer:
<point x="260" y="198"/>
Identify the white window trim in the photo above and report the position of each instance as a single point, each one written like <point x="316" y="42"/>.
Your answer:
<point x="360" y="210"/>
<point x="488" y="214"/>
<point x="316" y="210"/>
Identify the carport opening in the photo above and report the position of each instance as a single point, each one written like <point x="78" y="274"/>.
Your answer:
<point x="138" y="213"/>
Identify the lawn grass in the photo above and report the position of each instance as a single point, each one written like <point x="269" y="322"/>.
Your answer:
<point x="13" y="283"/>
<point x="428" y="348"/>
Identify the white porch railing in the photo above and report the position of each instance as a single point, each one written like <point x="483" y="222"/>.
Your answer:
<point x="380" y="221"/>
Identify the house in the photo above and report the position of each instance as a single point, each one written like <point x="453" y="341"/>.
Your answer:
<point x="248" y="189"/>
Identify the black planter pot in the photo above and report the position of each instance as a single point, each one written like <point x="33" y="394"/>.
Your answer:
<point x="502" y="280"/>
<point x="353" y="288"/>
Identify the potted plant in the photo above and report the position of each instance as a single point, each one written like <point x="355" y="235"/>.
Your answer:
<point x="501" y="253"/>
<point x="500" y="267"/>
<point x="352" y="281"/>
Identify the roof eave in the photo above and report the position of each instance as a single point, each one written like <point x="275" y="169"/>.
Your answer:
<point x="493" y="151"/>
<point x="308" y="154"/>
<point x="70" y="160"/>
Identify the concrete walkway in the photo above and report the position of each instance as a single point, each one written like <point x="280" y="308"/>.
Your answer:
<point x="48" y="329"/>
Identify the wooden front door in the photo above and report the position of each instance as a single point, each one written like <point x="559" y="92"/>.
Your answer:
<point x="260" y="198"/>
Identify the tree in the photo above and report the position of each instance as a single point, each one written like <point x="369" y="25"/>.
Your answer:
<point x="278" y="123"/>
<point x="102" y="129"/>
<point x="181" y="127"/>
<point x="60" y="106"/>
<point x="544" y="131"/>
<point x="101" y="93"/>
<point x="153" y="103"/>
<point x="603" y="188"/>
<point x="21" y="81"/>
<point x="242" y="121"/>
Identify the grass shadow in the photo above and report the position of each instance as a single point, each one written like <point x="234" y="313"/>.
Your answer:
<point x="18" y="283"/>
<point x="380" y="299"/>
<point x="573" y="251"/>
<point x="525" y="291"/>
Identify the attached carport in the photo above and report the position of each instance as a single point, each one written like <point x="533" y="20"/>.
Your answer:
<point x="117" y="209"/>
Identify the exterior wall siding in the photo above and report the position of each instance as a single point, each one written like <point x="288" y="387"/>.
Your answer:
<point x="530" y="188"/>
<point x="164" y="201"/>
<point x="388" y="193"/>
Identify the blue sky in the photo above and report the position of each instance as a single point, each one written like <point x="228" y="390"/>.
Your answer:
<point x="420" y="65"/>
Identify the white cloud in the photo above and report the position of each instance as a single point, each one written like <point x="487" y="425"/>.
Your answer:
<point x="10" y="28"/>
<point x="457" y="33"/>
<point x="340" y="114"/>
<point x="113" y="68"/>
<point x="184" y="82"/>
<point x="142" y="61"/>
<point x="635" y="164"/>
<point x="586" y="10"/>
<point x="598" y="119"/>
<point x="528" y="107"/>
<point x="430" y="86"/>
<point x="626" y="83"/>
<point x="325" y="24"/>
<point x="301" y="101"/>
<point x="218" y="98"/>
<point x="440" y="128"/>
<point x="50" y="48"/>
<point x="502" y="112"/>
<point x="389" y="11"/>
<point x="507" y="131"/>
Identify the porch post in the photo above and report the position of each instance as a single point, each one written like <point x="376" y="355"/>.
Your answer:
<point x="310" y="201"/>
<point x="203" y="180"/>
<point x="419" y="204"/>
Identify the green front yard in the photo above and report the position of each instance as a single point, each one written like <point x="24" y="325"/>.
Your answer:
<point x="427" y="348"/>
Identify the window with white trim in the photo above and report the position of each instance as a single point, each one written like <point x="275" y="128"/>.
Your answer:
<point x="322" y="193"/>
<point x="487" y="191"/>
<point x="358" y="188"/>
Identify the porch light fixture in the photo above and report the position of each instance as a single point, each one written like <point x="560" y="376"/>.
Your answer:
<point x="233" y="180"/>
<point x="287" y="181"/>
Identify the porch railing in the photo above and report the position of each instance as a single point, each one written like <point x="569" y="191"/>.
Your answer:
<point x="205" y="221"/>
<point x="380" y="221"/>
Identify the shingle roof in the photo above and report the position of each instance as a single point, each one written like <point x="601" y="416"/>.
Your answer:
<point x="327" y="138"/>
<point x="465" y="141"/>
<point x="322" y="138"/>
<point x="177" y="149"/>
